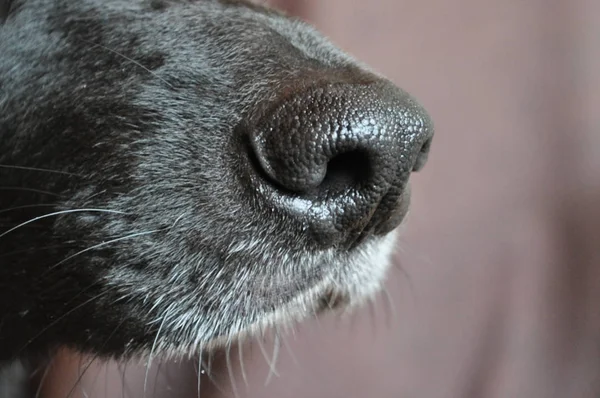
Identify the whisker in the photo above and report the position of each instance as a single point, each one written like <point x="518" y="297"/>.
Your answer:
<point x="29" y="190"/>
<point x="352" y="321"/>
<point x="42" y="381"/>
<point x="264" y="353"/>
<point x="7" y="166"/>
<point x="149" y="362"/>
<point x="74" y="297"/>
<point x="63" y="316"/>
<point x="60" y="213"/>
<point x="79" y="367"/>
<point x="208" y="372"/>
<point x="373" y="314"/>
<point x="80" y="377"/>
<point x="276" y="346"/>
<point x="408" y="279"/>
<point x="101" y="245"/>
<point x="37" y="227"/>
<point x="159" y="369"/>
<point x="242" y="367"/>
<point x="208" y="366"/>
<point x="106" y="374"/>
<point x="177" y="220"/>
<point x="8" y="254"/>
<point x="28" y="207"/>
<point x="44" y="204"/>
<point x="317" y="319"/>
<point x="290" y="351"/>
<point x="99" y="371"/>
<point x="94" y="359"/>
<point x="128" y="59"/>
<point x="230" y="371"/>
<point x="94" y="195"/>
<point x="200" y="372"/>
<point x="122" y="367"/>
<point x="390" y="308"/>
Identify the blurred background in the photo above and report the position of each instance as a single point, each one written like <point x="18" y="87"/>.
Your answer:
<point x="496" y="289"/>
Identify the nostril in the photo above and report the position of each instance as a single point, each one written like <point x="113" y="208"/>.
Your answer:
<point x="346" y="171"/>
<point x="422" y="156"/>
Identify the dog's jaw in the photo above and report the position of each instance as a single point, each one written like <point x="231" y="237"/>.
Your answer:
<point x="367" y="272"/>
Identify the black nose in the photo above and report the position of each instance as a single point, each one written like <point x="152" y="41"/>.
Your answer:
<point x="339" y="157"/>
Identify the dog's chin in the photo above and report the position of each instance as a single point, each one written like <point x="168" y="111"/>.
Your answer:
<point x="350" y="283"/>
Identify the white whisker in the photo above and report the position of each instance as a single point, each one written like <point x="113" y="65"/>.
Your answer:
<point x="267" y="360"/>
<point x="290" y="351"/>
<point x="208" y="372"/>
<point x="53" y="323"/>
<point x="390" y="307"/>
<point x="33" y="190"/>
<point x="149" y="363"/>
<point x="7" y="166"/>
<point x="241" y="358"/>
<point x="200" y="371"/>
<point x="58" y="213"/>
<point x="27" y="207"/>
<point x="122" y="368"/>
<point x="42" y="381"/>
<point x="273" y="362"/>
<point x="373" y="313"/>
<point x="135" y="235"/>
<point x="94" y="359"/>
<point x="408" y="279"/>
<point x="230" y="371"/>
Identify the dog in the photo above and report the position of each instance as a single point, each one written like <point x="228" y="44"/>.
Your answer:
<point x="179" y="174"/>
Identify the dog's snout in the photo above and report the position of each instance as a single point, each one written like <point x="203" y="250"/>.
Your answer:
<point x="340" y="155"/>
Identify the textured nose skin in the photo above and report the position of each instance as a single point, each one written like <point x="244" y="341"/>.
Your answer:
<point x="341" y="155"/>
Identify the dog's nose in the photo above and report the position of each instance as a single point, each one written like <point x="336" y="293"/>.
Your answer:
<point x="339" y="156"/>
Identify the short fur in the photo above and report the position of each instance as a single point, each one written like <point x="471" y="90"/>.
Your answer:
<point x="127" y="225"/>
